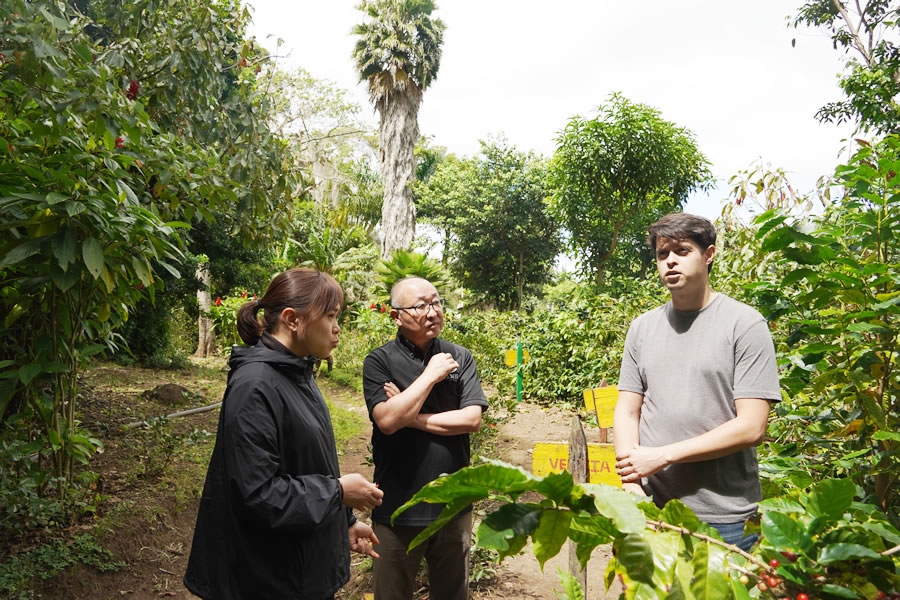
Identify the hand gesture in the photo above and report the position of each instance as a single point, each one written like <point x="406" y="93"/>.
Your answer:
<point x="359" y="493"/>
<point x="362" y="538"/>
<point x="639" y="462"/>
<point x="441" y="365"/>
<point x="391" y="389"/>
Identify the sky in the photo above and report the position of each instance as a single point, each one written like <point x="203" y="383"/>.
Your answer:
<point x="725" y="70"/>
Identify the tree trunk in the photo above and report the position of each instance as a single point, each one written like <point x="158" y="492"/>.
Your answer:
<point x="398" y="132"/>
<point x="206" y="339"/>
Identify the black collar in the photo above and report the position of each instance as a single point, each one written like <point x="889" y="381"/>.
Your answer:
<point x="414" y="351"/>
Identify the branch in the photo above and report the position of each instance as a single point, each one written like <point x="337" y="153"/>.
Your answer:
<point x="706" y="538"/>
<point x="893" y="550"/>
<point x="854" y="31"/>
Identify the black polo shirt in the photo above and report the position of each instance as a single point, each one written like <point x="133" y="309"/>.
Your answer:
<point x="410" y="458"/>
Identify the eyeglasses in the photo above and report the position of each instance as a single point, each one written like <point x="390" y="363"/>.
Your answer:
<point x="422" y="307"/>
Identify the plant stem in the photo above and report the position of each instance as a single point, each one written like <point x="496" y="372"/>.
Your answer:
<point x="706" y="538"/>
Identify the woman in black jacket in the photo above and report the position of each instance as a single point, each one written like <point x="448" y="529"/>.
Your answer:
<point x="276" y="518"/>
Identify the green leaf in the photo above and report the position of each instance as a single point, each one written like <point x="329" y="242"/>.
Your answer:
<point x="447" y="514"/>
<point x="55" y="198"/>
<point x="93" y="257"/>
<point x="142" y="269"/>
<point x="839" y="552"/>
<point x="507" y="522"/>
<point x="63" y="245"/>
<point x="64" y="279"/>
<point x="709" y="581"/>
<point x="830" y="498"/>
<point x="555" y="486"/>
<point x="783" y="532"/>
<point x="618" y="506"/>
<point x="571" y="587"/>
<point x="886" y="435"/>
<point x="551" y="534"/>
<point x="6" y="363"/>
<point x="634" y="554"/>
<point x="28" y="372"/>
<point x="839" y="591"/>
<point x="42" y="49"/>
<point x="796" y="275"/>
<point x="21" y="252"/>
<point x="738" y="590"/>
<point x="676" y="513"/>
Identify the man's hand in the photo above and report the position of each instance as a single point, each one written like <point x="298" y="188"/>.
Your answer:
<point x="639" y="462"/>
<point x="362" y="538"/>
<point x="440" y="365"/>
<point x="359" y="493"/>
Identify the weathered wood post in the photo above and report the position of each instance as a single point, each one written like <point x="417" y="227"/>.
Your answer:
<point x="577" y="467"/>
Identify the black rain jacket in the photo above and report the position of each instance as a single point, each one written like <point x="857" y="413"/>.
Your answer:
<point x="271" y="523"/>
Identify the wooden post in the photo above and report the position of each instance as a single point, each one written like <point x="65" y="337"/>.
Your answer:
<point x="577" y="466"/>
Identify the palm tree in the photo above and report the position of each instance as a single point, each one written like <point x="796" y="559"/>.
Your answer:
<point x="398" y="52"/>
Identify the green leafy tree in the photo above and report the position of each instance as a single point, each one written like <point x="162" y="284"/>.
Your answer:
<point x="867" y="32"/>
<point x="398" y="53"/>
<point x="836" y="294"/>
<point x="501" y="239"/>
<point x="111" y="142"/>
<point x="615" y="174"/>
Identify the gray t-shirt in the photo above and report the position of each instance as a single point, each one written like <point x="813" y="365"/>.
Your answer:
<point x="690" y="367"/>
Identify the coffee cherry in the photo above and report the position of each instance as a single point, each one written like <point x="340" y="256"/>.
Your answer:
<point x="791" y="556"/>
<point x="744" y="579"/>
<point x="774" y="563"/>
<point x="772" y="581"/>
<point x="802" y="596"/>
<point x="762" y="587"/>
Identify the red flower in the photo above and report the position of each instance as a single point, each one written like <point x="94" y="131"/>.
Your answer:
<point x="218" y="301"/>
<point x="254" y="296"/>
<point x="10" y="147"/>
<point x="139" y="286"/>
<point x="120" y="143"/>
<point x="383" y="308"/>
<point x="244" y="295"/>
<point x="372" y="306"/>
<point x="132" y="92"/>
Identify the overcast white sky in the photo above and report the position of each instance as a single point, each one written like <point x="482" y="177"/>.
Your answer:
<point x="723" y="69"/>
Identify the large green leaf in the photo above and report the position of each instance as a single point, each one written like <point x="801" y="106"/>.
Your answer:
<point x="709" y="581"/>
<point x="93" y="257"/>
<point x="636" y="557"/>
<point x="447" y="514"/>
<point x="833" y="553"/>
<point x="830" y="498"/>
<point x="676" y="512"/>
<point x="555" y="486"/>
<point x="507" y="522"/>
<point x="551" y="533"/>
<point x="618" y="506"/>
<point x="783" y="532"/>
<point x="21" y="252"/>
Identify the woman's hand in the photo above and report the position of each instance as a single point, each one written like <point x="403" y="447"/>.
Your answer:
<point x="359" y="493"/>
<point x="362" y="538"/>
<point x="391" y="389"/>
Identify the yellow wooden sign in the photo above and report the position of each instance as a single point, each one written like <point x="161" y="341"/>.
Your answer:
<point x="369" y="596"/>
<point x="604" y="398"/>
<point x="553" y="457"/>
<point x="511" y="357"/>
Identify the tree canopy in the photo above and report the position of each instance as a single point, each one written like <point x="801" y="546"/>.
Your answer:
<point x="614" y="174"/>
<point x="501" y="239"/>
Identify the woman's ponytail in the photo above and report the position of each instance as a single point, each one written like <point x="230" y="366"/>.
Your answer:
<point x="249" y="326"/>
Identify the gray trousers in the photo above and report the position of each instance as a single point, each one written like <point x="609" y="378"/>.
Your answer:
<point x="446" y="553"/>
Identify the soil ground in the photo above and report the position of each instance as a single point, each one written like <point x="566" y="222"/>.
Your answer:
<point x="148" y="517"/>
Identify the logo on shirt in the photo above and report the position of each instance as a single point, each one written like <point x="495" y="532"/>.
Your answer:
<point x="454" y="375"/>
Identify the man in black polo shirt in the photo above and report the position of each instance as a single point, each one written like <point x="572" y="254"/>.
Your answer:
<point x="424" y="398"/>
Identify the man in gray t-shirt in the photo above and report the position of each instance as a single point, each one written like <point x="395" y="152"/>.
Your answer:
<point x="697" y="377"/>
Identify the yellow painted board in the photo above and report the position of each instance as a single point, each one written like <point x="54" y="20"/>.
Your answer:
<point x="511" y="357"/>
<point x="553" y="457"/>
<point x="605" y="399"/>
<point x="368" y="596"/>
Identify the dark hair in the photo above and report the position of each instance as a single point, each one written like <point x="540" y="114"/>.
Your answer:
<point x="309" y="292"/>
<point x="682" y="226"/>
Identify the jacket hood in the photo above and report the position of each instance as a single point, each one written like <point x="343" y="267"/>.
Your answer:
<point x="290" y="364"/>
